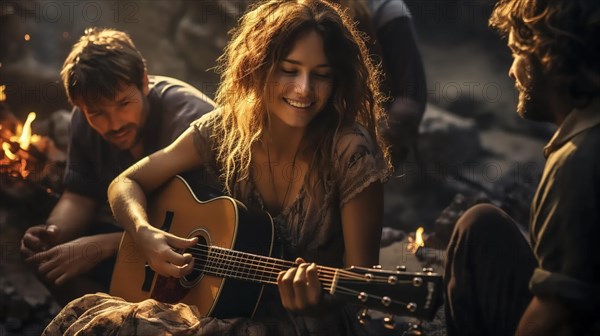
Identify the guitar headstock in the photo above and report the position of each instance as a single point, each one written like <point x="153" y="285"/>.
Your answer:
<point x="417" y="294"/>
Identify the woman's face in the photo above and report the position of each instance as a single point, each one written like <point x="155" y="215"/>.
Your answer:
<point x="299" y="86"/>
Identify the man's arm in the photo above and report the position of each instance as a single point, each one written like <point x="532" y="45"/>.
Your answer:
<point x="544" y="317"/>
<point x="72" y="216"/>
<point x="68" y="220"/>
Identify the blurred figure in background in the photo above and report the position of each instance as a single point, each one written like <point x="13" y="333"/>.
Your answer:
<point x="393" y="42"/>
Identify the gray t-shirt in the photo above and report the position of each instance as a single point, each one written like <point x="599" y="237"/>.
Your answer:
<point x="93" y="162"/>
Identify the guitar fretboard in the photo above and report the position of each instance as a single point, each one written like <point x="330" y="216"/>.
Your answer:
<point x="225" y="263"/>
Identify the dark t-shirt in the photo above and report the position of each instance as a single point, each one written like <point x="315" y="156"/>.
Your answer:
<point x="565" y="217"/>
<point x="93" y="162"/>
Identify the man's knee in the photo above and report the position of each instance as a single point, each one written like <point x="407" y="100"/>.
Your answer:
<point x="485" y="220"/>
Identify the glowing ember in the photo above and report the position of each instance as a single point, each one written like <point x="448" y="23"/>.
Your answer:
<point x="2" y="94"/>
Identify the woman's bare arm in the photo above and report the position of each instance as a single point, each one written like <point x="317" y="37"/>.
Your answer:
<point x="127" y="198"/>
<point x="362" y="219"/>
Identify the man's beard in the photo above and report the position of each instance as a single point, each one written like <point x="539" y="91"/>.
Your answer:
<point x="533" y="101"/>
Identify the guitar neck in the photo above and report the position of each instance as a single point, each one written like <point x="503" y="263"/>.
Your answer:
<point x="232" y="264"/>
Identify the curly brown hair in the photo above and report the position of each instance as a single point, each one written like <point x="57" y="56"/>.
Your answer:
<point x="562" y="35"/>
<point x="263" y="38"/>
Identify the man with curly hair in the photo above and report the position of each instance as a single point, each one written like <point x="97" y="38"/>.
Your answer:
<point x="497" y="284"/>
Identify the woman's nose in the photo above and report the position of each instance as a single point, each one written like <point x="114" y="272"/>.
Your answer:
<point x="303" y="85"/>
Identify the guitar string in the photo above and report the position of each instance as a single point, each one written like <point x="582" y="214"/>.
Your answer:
<point x="230" y="255"/>
<point x="240" y="272"/>
<point x="262" y="259"/>
<point x="237" y="256"/>
<point x="341" y="290"/>
<point x="344" y="290"/>
<point x="216" y="270"/>
<point x="268" y="273"/>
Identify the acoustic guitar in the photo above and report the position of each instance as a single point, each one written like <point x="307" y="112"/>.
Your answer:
<point x="237" y="255"/>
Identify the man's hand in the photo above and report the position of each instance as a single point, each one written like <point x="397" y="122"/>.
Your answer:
<point x="37" y="239"/>
<point x="300" y="288"/>
<point x="158" y="247"/>
<point x="65" y="261"/>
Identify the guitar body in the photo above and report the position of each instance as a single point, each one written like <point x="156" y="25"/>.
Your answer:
<point x="188" y="211"/>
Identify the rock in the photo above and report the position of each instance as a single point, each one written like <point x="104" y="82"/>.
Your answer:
<point x="13" y="323"/>
<point x="8" y="290"/>
<point x="35" y="302"/>
<point x="390" y="235"/>
<point x="18" y="310"/>
<point x="33" y="329"/>
<point x="448" y="146"/>
<point x="3" y="305"/>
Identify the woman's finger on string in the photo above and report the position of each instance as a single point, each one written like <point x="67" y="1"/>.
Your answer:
<point x="300" y="287"/>
<point x="285" y="285"/>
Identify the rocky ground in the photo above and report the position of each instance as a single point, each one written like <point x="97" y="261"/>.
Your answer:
<point x="473" y="148"/>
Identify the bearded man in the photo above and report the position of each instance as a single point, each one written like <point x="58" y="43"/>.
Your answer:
<point x="498" y="283"/>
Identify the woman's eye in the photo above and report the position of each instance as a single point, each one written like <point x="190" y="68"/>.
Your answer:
<point x="124" y="103"/>
<point x="288" y="71"/>
<point x="323" y="75"/>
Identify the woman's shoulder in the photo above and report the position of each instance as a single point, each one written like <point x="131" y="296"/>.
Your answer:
<point x="207" y="119"/>
<point x="354" y="136"/>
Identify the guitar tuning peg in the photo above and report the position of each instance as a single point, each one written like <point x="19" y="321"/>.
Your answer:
<point x="427" y="270"/>
<point x="414" y="329"/>
<point x="389" y="323"/>
<point x="362" y="297"/>
<point x="363" y="316"/>
<point x="401" y="268"/>
<point x="377" y="267"/>
<point x="417" y="281"/>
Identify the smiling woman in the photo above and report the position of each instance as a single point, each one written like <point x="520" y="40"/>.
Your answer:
<point x="296" y="135"/>
<point x="303" y="83"/>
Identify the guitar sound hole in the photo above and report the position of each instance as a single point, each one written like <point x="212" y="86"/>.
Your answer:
<point x="199" y="252"/>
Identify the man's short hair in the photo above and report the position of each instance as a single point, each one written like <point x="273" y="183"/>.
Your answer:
<point x="99" y="63"/>
<point x="562" y="34"/>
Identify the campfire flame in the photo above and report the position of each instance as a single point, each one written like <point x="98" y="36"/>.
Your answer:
<point x="7" y="152"/>
<point x="419" y="237"/>
<point x="15" y="146"/>
<point x="25" y="137"/>
<point x="25" y="158"/>
<point x="417" y="241"/>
